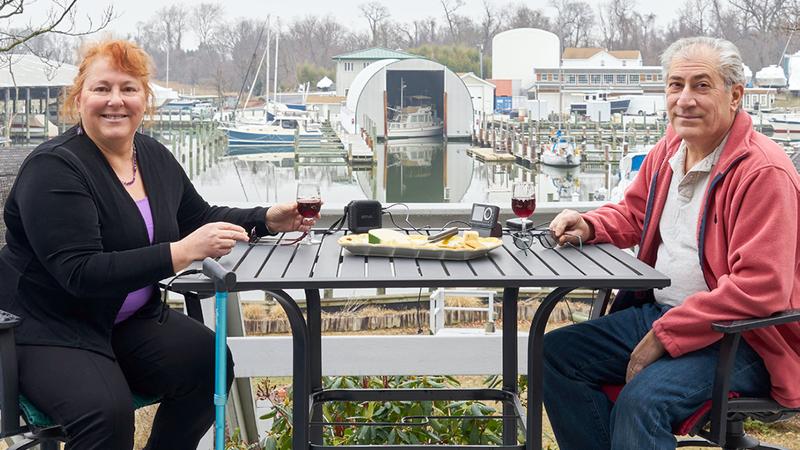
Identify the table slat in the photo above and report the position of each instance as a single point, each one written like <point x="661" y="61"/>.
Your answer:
<point x="277" y="262"/>
<point x="612" y="264"/>
<point x="406" y="268"/>
<point x="303" y="262"/>
<point x="353" y="266"/>
<point x="379" y="267"/>
<point x="530" y="261"/>
<point x="458" y="269"/>
<point x="483" y="267"/>
<point x="579" y="259"/>
<point x="328" y="260"/>
<point x="249" y="266"/>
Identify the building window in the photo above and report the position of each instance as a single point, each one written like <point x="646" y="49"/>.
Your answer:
<point x="660" y="77"/>
<point x="649" y="77"/>
<point x="624" y="63"/>
<point x="538" y="77"/>
<point x="621" y="78"/>
<point x="583" y="78"/>
<point x="633" y="78"/>
<point x="571" y="79"/>
<point x="596" y="79"/>
<point x="608" y="79"/>
<point x="550" y="77"/>
<point x="366" y="64"/>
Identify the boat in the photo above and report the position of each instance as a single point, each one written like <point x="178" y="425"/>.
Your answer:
<point x="562" y="153"/>
<point x="786" y="127"/>
<point x="771" y="76"/>
<point x="286" y="151"/>
<point x="629" y="167"/>
<point x="279" y="131"/>
<point x="413" y="121"/>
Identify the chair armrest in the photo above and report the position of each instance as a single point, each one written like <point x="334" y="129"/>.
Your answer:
<point x="9" y="381"/>
<point x="738" y="326"/>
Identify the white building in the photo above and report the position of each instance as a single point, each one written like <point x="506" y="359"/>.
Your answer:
<point x="588" y="71"/>
<point x="516" y="53"/>
<point x="758" y="98"/>
<point x="349" y="65"/>
<point x="481" y="92"/>
<point x="793" y="66"/>
<point x="379" y="88"/>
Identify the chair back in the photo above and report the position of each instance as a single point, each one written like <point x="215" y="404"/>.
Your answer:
<point x="10" y="161"/>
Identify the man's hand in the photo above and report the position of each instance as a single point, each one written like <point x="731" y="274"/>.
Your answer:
<point x="284" y="217"/>
<point x="647" y="351"/>
<point x="569" y="225"/>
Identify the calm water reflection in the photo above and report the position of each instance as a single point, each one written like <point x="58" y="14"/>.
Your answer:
<point x="403" y="171"/>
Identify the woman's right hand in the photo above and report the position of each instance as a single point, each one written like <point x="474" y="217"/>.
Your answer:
<point x="212" y="239"/>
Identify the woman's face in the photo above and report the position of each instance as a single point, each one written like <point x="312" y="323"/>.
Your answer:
<point x="111" y="104"/>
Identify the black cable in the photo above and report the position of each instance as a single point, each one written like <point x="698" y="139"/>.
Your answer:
<point x="447" y="224"/>
<point x="162" y="318"/>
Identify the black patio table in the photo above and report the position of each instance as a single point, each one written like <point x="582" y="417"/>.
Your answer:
<point x="274" y="268"/>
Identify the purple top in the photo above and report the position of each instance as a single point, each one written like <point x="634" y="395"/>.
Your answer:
<point x="139" y="297"/>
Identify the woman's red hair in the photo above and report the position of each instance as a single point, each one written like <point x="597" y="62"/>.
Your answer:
<point x="124" y="56"/>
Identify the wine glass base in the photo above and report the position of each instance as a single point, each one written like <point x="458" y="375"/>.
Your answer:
<point x="516" y="223"/>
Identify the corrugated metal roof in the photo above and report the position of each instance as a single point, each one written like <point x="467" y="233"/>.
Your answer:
<point x="32" y="71"/>
<point x="376" y="53"/>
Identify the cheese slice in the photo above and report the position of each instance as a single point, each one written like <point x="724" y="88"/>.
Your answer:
<point x="387" y="236"/>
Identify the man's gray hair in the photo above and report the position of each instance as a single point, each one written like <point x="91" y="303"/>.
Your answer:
<point x="729" y="64"/>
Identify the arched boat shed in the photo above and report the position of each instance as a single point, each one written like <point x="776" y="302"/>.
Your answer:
<point x="388" y="85"/>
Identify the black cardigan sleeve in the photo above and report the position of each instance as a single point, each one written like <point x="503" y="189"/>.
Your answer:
<point x="194" y="212"/>
<point x="62" y="225"/>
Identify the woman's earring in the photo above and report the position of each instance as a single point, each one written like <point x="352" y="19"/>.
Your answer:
<point x="80" y="127"/>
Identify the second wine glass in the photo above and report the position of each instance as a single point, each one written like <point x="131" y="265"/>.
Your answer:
<point x="523" y="201"/>
<point x="309" y="202"/>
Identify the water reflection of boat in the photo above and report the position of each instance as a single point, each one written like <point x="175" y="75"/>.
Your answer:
<point x="286" y="150"/>
<point x="562" y="153"/>
<point x="281" y="130"/>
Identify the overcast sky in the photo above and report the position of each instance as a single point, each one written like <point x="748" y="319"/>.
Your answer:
<point x="130" y="12"/>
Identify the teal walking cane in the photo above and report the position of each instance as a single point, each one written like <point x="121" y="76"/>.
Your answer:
<point x="224" y="280"/>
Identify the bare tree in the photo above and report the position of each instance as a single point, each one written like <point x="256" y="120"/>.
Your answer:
<point x="520" y="15"/>
<point x="451" y="8"/>
<point x="204" y="20"/>
<point x="173" y="20"/>
<point x="375" y="13"/>
<point x="762" y="15"/>
<point x="574" y="22"/>
<point x="60" y="19"/>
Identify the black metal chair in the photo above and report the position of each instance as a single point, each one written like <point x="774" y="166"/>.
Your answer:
<point x="720" y="421"/>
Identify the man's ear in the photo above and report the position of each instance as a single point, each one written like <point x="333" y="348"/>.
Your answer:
<point x="737" y="95"/>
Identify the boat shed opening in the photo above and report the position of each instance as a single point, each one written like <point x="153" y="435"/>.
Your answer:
<point x="386" y="87"/>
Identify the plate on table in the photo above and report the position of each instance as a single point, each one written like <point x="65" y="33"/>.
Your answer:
<point x="417" y="246"/>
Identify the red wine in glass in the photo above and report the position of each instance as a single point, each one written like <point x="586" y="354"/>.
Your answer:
<point x="308" y="207"/>
<point x="523" y="207"/>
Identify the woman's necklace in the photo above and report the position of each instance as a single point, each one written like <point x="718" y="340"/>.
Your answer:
<point x="133" y="163"/>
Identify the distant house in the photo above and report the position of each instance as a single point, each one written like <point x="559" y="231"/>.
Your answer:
<point x="600" y="57"/>
<point x="348" y="65"/>
<point x="481" y="91"/>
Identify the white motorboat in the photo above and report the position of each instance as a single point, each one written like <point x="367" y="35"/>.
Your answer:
<point x="771" y="76"/>
<point x="414" y="121"/>
<point x="786" y="127"/>
<point x="562" y="153"/>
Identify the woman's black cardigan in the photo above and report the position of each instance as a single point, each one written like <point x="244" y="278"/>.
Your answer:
<point x="77" y="243"/>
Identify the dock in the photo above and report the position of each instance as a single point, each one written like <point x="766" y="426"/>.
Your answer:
<point x="358" y="152"/>
<point x="488" y="155"/>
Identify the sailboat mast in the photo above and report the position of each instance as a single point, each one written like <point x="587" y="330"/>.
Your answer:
<point x="266" y="72"/>
<point x="275" y="77"/>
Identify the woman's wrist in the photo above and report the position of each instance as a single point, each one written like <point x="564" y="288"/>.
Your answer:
<point x="180" y="257"/>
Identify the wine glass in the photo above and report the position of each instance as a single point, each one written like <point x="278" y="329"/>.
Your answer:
<point x="523" y="201"/>
<point x="308" y="203"/>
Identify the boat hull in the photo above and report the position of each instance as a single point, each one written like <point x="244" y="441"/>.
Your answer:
<point x="561" y="160"/>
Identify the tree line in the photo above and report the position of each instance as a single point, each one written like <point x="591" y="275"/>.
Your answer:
<point x="228" y="48"/>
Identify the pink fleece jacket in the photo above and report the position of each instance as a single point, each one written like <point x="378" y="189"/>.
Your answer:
<point x="748" y="236"/>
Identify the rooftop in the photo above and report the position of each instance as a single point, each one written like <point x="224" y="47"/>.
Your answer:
<point x="32" y="71"/>
<point x="376" y="53"/>
<point x="588" y="52"/>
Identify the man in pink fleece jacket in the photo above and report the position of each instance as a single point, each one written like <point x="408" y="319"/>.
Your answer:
<point x="716" y="207"/>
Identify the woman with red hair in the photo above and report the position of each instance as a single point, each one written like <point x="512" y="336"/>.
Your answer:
<point x="96" y="218"/>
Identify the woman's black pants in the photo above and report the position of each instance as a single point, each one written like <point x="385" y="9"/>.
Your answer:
<point x="90" y="394"/>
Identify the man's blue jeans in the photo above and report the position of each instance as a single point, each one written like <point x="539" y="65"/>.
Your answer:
<point x="578" y="359"/>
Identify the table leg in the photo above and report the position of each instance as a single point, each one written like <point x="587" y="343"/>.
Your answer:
<point x="300" y="369"/>
<point x="533" y="439"/>
<point x="510" y="362"/>
<point x="314" y="321"/>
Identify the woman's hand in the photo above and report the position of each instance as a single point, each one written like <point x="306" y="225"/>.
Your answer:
<point x="284" y="217"/>
<point x="212" y="239"/>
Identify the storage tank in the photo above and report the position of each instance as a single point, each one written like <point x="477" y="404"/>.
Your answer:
<point x="515" y="53"/>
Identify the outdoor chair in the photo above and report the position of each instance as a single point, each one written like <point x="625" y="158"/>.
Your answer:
<point x="720" y="421"/>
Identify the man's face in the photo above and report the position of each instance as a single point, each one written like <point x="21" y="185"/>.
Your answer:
<point x="701" y="109"/>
